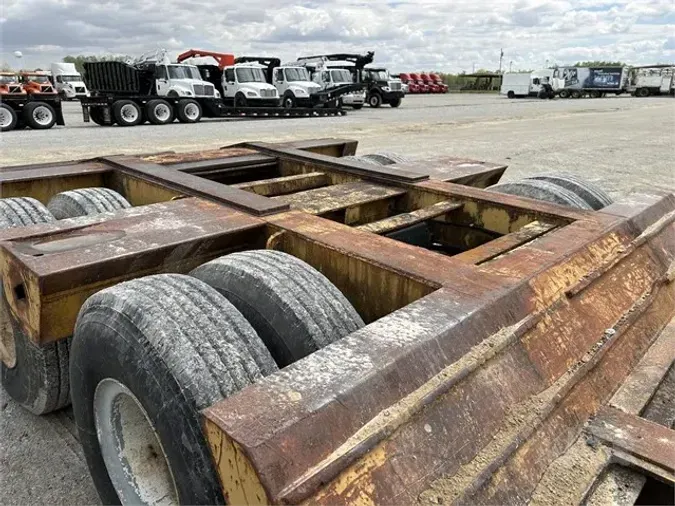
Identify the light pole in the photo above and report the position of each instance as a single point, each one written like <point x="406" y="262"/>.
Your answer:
<point x="510" y="65"/>
<point x="474" y="69"/>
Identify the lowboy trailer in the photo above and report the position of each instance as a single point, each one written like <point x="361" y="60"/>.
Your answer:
<point x="292" y="323"/>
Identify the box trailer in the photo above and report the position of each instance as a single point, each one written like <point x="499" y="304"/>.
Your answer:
<point x="293" y="324"/>
<point x="595" y="82"/>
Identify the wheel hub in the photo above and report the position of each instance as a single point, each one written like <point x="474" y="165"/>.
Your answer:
<point x="129" y="113"/>
<point x="162" y="112"/>
<point x="133" y="455"/>
<point x="42" y="115"/>
<point x="191" y="111"/>
<point x="5" y="118"/>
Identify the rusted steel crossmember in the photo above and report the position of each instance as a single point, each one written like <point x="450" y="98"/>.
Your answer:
<point x="468" y="393"/>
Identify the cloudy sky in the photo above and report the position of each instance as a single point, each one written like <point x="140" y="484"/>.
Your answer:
<point x="444" y="35"/>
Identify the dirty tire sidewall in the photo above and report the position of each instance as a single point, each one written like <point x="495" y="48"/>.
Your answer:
<point x="294" y="308"/>
<point x="593" y="195"/>
<point x="39" y="379"/>
<point x="188" y="111"/>
<point x="10" y="118"/>
<point x="39" y="115"/>
<point x="176" y="344"/>
<point x="86" y="202"/>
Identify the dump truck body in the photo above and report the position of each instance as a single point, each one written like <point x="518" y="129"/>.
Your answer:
<point x="511" y="350"/>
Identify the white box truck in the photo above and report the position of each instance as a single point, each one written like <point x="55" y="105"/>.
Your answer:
<point x="68" y="81"/>
<point x="524" y="84"/>
<point x="596" y="82"/>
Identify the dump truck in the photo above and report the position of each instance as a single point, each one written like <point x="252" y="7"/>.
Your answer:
<point x="651" y="80"/>
<point x="27" y="101"/>
<point x="68" y="81"/>
<point x="293" y="323"/>
<point x="154" y="89"/>
<point x="594" y="82"/>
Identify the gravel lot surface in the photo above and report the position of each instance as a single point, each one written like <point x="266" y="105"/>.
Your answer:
<point x="623" y="143"/>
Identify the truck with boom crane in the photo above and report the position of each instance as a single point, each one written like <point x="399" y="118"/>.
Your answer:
<point x="154" y="89"/>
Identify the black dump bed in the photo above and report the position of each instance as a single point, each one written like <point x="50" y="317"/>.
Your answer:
<point x="119" y="78"/>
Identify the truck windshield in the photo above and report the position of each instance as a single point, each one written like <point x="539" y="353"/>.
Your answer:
<point x="379" y="75"/>
<point x="183" y="72"/>
<point x="250" y="75"/>
<point x="8" y="79"/>
<point x="341" y="76"/>
<point x="70" y="79"/>
<point x="38" y="79"/>
<point x="297" y="74"/>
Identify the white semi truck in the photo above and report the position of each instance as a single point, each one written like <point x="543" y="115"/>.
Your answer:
<point x="651" y="80"/>
<point x="68" y="81"/>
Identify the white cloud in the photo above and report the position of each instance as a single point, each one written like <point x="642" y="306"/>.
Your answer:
<point x="405" y="34"/>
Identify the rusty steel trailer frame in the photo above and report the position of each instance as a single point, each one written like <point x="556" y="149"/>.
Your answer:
<point x="526" y="366"/>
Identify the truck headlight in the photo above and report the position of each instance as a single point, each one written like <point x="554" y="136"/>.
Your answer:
<point x="300" y="91"/>
<point x="185" y="93"/>
<point x="251" y="94"/>
<point x="216" y="93"/>
<point x="386" y="88"/>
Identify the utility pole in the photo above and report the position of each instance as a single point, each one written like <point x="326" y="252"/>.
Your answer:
<point x="510" y="64"/>
<point x="501" y="56"/>
<point x="474" y="68"/>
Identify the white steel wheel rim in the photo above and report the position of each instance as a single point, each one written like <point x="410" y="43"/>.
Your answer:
<point x="162" y="112"/>
<point x="191" y="111"/>
<point x="374" y="100"/>
<point x="42" y="115"/>
<point x="5" y="118"/>
<point x="133" y="455"/>
<point x="288" y="102"/>
<point x="129" y="113"/>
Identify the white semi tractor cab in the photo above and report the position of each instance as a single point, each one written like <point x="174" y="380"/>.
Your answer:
<point x="245" y="85"/>
<point x="68" y="81"/>
<point x="180" y="80"/>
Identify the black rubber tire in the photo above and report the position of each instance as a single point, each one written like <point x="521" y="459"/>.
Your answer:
<point x="642" y="92"/>
<point x="594" y="196"/>
<point x="576" y="94"/>
<point x="510" y="94"/>
<point x="38" y="376"/>
<point x="294" y="308"/>
<point x="182" y="114"/>
<point x="30" y="108"/>
<point x="117" y="112"/>
<point x="564" y="94"/>
<point x="356" y="107"/>
<point x="22" y="211"/>
<point x="179" y="347"/>
<point x="240" y="100"/>
<point x="151" y="112"/>
<point x="396" y="102"/>
<point x="375" y="100"/>
<point x="86" y="202"/>
<point x="96" y="115"/>
<point x="288" y="101"/>
<point x="541" y="190"/>
<point x="594" y="94"/>
<point x="386" y="158"/>
<point x="14" y="118"/>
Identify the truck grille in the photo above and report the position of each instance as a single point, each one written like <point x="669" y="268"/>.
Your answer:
<point x="46" y="89"/>
<point x="15" y="89"/>
<point x="79" y="89"/>
<point x="395" y="86"/>
<point x="203" y="89"/>
<point x="268" y="93"/>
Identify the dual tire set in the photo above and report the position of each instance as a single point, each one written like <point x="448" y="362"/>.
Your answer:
<point x="157" y="111"/>
<point x="148" y="354"/>
<point x="36" y="115"/>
